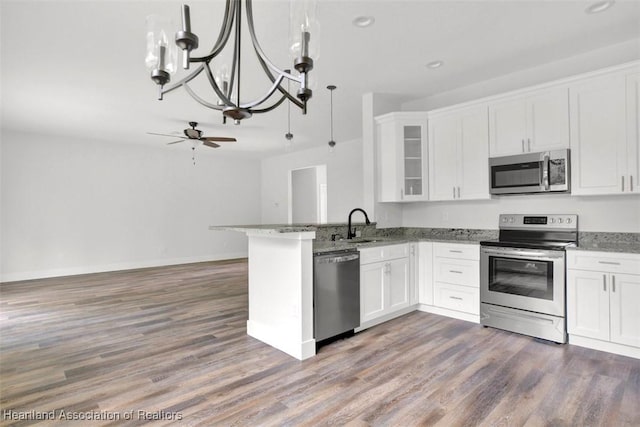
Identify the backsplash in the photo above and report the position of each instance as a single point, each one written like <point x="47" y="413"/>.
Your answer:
<point x="325" y="231"/>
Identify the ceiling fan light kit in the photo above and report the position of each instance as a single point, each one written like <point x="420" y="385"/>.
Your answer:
<point x="161" y="59"/>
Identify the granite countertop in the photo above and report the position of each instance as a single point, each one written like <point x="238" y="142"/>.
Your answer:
<point x="608" y="242"/>
<point x="605" y="246"/>
<point x="372" y="237"/>
<point x="266" y="228"/>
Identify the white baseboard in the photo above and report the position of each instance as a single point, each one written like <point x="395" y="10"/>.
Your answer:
<point x="449" y="313"/>
<point x="299" y="349"/>
<point x="74" y="271"/>
<point x="609" y="347"/>
<point x="385" y="318"/>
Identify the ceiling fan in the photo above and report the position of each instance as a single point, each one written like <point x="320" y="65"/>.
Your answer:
<point x="196" y="135"/>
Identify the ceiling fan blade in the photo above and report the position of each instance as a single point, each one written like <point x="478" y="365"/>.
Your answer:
<point x="218" y="139"/>
<point x="210" y="144"/>
<point x="175" y="142"/>
<point x="164" y="134"/>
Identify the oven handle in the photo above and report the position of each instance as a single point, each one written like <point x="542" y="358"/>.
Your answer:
<point x="518" y="253"/>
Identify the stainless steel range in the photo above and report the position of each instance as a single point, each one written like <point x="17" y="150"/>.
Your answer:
<point x="522" y="275"/>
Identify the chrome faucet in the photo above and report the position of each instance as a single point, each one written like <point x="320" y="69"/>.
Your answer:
<point x="351" y="235"/>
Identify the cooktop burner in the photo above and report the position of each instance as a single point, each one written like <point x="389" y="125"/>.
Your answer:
<point x="552" y="232"/>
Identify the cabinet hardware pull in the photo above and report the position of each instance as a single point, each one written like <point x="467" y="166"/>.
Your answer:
<point x="454" y="192"/>
<point x="458" y="298"/>
<point x="529" y="142"/>
<point x="630" y="182"/>
<point x="609" y="262"/>
<point x="623" y="183"/>
<point x="604" y="282"/>
<point x="458" y="192"/>
<point x="455" y="271"/>
<point x="523" y="145"/>
<point x="613" y="283"/>
<point x="455" y="251"/>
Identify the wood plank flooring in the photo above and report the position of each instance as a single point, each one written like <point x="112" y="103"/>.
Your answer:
<point x="171" y="343"/>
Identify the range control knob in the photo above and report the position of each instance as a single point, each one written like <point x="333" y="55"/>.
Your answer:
<point x="510" y="219"/>
<point x="560" y="220"/>
<point x="553" y="220"/>
<point x="568" y="220"/>
<point x="504" y="219"/>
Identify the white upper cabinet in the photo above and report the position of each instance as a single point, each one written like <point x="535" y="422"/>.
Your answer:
<point x="402" y="156"/>
<point x="458" y="155"/>
<point x="536" y="122"/>
<point x="633" y="131"/>
<point x="604" y="134"/>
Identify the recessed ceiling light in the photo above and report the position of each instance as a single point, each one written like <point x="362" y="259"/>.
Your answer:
<point x="435" y="64"/>
<point x="600" y="6"/>
<point x="363" y="21"/>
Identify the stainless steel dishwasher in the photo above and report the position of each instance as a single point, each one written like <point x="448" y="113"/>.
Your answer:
<point x="336" y="293"/>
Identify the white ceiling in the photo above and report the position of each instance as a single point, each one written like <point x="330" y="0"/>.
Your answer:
<point x="76" y="68"/>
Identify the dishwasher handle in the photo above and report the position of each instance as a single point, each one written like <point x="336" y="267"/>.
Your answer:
<point x="334" y="259"/>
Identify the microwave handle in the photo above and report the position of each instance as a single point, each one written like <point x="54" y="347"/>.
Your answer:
<point x="545" y="171"/>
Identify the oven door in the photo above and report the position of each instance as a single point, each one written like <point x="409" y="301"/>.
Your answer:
<point x="526" y="279"/>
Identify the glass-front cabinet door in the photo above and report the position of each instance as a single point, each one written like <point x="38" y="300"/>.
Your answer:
<point x="413" y="160"/>
<point x="401" y="141"/>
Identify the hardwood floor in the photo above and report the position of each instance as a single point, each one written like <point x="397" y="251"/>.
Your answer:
<point x="171" y="342"/>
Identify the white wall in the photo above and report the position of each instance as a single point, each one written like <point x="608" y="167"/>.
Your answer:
<point x="71" y="207"/>
<point x="603" y="213"/>
<point x="344" y="180"/>
<point x="304" y="192"/>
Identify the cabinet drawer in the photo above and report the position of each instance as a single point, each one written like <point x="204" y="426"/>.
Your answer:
<point x="603" y="261"/>
<point x="456" y="297"/>
<point x="457" y="271"/>
<point x="383" y="253"/>
<point x="457" y="250"/>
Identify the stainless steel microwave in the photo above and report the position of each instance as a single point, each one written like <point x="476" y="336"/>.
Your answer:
<point x="543" y="172"/>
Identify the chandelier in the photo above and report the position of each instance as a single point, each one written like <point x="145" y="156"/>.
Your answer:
<point x="162" y="54"/>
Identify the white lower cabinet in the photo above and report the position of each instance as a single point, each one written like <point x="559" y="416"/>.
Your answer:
<point x="450" y="280"/>
<point x="386" y="285"/>
<point x="603" y="301"/>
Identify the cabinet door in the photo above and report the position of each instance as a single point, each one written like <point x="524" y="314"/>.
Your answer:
<point x="633" y="132"/>
<point x="425" y="273"/>
<point x="444" y="136"/>
<point x="388" y="154"/>
<point x="414" y="272"/>
<point x="588" y="304"/>
<point x="402" y="157"/>
<point x="473" y="164"/>
<point x="507" y="128"/>
<point x="598" y="136"/>
<point x="372" y="291"/>
<point x="398" y="281"/>
<point x="548" y="121"/>
<point x="414" y="160"/>
<point x="625" y="309"/>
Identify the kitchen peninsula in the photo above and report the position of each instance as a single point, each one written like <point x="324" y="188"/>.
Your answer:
<point x="280" y="286"/>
